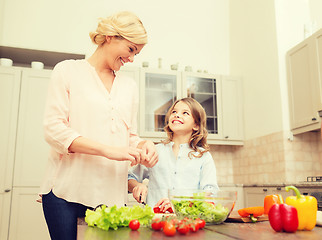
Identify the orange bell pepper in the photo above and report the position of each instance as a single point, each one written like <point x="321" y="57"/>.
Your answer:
<point x="269" y="201"/>
<point x="252" y="212"/>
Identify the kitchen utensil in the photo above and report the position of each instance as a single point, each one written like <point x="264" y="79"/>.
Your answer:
<point x="235" y="217"/>
<point x="212" y="206"/>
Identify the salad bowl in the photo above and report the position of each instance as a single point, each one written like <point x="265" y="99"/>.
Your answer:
<point x="212" y="206"/>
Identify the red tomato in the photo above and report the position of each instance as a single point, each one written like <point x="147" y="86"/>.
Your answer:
<point x="134" y="224"/>
<point x="169" y="229"/>
<point x="156" y="210"/>
<point x="201" y="223"/>
<point x="183" y="228"/>
<point x="194" y="226"/>
<point x="170" y="210"/>
<point x="157" y="224"/>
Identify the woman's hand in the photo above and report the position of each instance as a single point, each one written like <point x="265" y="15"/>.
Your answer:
<point x="149" y="155"/>
<point x="87" y="146"/>
<point x="140" y="192"/>
<point x="165" y="205"/>
<point x="124" y="154"/>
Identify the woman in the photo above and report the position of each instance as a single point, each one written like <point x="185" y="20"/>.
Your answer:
<point x="90" y="124"/>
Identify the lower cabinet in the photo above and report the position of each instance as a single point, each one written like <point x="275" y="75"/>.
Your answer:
<point x="27" y="220"/>
<point x="254" y="196"/>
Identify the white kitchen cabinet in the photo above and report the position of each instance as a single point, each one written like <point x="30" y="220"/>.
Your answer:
<point x="206" y="89"/>
<point x="9" y="100"/>
<point x="317" y="49"/>
<point x="27" y="221"/>
<point x="31" y="147"/>
<point x="304" y="67"/>
<point x="160" y="88"/>
<point x="254" y="196"/>
<point x="23" y="151"/>
<point x="232" y="108"/>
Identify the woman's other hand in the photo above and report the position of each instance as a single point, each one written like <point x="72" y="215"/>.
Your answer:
<point x="149" y="155"/>
<point x="165" y="205"/>
<point x="124" y="154"/>
<point x="140" y="192"/>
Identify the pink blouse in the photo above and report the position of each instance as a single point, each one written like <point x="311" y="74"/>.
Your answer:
<point x="78" y="104"/>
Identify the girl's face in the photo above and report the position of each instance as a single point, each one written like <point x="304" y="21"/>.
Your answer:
<point x="181" y="120"/>
<point x="120" y="51"/>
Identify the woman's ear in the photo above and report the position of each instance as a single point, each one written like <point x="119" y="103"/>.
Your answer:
<point x="108" y="39"/>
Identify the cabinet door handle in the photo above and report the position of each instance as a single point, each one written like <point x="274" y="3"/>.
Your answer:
<point x="314" y="119"/>
<point x="264" y="189"/>
<point x="7" y="190"/>
<point x="226" y="137"/>
<point x="278" y="188"/>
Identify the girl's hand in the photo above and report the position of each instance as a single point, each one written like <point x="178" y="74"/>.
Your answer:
<point x="140" y="192"/>
<point x="164" y="204"/>
<point x="124" y="154"/>
<point x="149" y="155"/>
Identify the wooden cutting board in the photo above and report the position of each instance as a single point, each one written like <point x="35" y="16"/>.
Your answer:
<point x="235" y="217"/>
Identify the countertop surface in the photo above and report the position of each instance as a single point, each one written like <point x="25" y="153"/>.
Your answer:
<point x="299" y="184"/>
<point x="224" y="231"/>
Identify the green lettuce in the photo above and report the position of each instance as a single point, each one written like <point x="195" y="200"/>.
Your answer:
<point x="113" y="217"/>
<point x="201" y="209"/>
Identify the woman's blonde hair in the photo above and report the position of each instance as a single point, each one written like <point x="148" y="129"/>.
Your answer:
<point x="122" y="24"/>
<point x="198" y="139"/>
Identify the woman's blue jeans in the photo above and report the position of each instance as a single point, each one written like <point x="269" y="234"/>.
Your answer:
<point x="61" y="216"/>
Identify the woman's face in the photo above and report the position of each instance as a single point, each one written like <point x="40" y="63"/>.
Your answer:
<point x="120" y="51"/>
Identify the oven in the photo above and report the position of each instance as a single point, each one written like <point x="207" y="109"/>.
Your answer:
<point x="314" y="189"/>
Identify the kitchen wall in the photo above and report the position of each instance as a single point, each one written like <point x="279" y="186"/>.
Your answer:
<point x="270" y="159"/>
<point x="247" y="38"/>
<point x="192" y="33"/>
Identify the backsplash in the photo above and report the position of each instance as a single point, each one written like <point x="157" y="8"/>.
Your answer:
<point x="270" y="159"/>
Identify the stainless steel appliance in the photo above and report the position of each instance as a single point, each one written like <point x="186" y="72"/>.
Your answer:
<point x="315" y="191"/>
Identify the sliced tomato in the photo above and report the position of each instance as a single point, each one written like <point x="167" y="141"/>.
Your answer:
<point x="156" y="210"/>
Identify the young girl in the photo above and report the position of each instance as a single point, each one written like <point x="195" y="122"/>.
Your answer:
<point x="184" y="158"/>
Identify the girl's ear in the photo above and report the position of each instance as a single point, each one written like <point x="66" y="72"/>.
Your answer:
<point x="195" y="128"/>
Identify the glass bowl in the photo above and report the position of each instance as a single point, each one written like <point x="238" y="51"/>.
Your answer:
<point x="212" y="206"/>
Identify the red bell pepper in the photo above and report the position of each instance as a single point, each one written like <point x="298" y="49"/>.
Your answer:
<point x="283" y="217"/>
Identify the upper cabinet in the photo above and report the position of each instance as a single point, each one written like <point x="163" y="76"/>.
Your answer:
<point x="304" y="68"/>
<point x="159" y="89"/>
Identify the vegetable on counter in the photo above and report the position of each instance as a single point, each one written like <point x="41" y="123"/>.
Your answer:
<point x="114" y="217"/>
<point x="306" y="207"/>
<point x="134" y="224"/>
<point x="283" y="217"/>
<point x="270" y="200"/>
<point x="200" y="209"/>
<point x="252" y="212"/>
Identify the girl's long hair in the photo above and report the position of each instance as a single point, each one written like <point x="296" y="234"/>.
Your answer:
<point x="198" y="139"/>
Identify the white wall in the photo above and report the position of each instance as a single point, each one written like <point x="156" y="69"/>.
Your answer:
<point x="189" y="32"/>
<point x="253" y="55"/>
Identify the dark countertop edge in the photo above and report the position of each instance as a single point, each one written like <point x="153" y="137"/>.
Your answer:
<point x="300" y="184"/>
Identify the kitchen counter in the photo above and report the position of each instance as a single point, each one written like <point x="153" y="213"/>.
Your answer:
<point x="225" y="231"/>
<point x="298" y="185"/>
